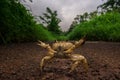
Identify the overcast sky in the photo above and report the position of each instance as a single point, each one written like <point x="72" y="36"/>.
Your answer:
<point x="67" y="9"/>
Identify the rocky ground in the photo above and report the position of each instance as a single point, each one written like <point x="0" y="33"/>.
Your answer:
<point x="21" y="62"/>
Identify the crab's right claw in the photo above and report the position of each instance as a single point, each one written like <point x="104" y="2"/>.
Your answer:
<point x="39" y="43"/>
<point x="42" y="44"/>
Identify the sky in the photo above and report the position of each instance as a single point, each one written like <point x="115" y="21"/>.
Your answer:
<point x="66" y="9"/>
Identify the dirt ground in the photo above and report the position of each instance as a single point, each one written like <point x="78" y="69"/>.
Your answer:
<point x="21" y="62"/>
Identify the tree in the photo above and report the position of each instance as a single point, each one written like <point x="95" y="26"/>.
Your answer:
<point x="79" y="19"/>
<point x="85" y="16"/>
<point x="72" y="26"/>
<point x="93" y="14"/>
<point x="17" y="24"/>
<point x="51" y="20"/>
<point x="110" y="5"/>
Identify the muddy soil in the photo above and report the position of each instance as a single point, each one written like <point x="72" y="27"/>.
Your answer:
<point x="21" y="62"/>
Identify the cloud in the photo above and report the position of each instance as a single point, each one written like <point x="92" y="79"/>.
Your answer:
<point x="67" y="9"/>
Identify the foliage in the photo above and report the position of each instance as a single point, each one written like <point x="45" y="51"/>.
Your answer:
<point x="98" y="25"/>
<point x="105" y="27"/>
<point x="42" y="34"/>
<point x="110" y="5"/>
<point x="50" y="19"/>
<point x="81" y="19"/>
<point x="18" y="25"/>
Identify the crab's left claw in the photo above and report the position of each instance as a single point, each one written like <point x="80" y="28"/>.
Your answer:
<point x="80" y="42"/>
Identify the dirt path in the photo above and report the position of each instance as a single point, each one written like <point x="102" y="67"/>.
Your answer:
<point x="21" y="62"/>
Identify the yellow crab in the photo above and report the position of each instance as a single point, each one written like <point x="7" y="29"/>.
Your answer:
<point x="63" y="50"/>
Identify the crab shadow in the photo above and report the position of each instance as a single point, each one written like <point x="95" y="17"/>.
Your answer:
<point x="73" y="75"/>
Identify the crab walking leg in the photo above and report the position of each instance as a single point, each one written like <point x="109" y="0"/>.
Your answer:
<point x="50" y="53"/>
<point x="43" y="61"/>
<point x="74" y="65"/>
<point x="84" y="61"/>
<point x="77" y="58"/>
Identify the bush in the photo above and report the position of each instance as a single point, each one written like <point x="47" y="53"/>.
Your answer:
<point x="105" y="27"/>
<point x="18" y="25"/>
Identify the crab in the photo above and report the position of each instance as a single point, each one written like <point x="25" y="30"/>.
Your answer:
<point x="64" y="50"/>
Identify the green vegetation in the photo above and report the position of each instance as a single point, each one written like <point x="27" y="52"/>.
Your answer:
<point x="42" y="34"/>
<point x="101" y="25"/>
<point x="18" y="25"/>
<point x="105" y="27"/>
<point x="50" y="19"/>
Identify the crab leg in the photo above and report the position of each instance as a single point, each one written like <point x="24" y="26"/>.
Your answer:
<point x="77" y="59"/>
<point x="74" y="65"/>
<point x="49" y="56"/>
<point x="46" y="58"/>
<point x="85" y="64"/>
<point x="43" y="61"/>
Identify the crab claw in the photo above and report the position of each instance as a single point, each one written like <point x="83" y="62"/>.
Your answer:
<point x="42" y="44"/>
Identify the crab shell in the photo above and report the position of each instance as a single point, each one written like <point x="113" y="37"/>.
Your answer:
<point x="64" y="45"/>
